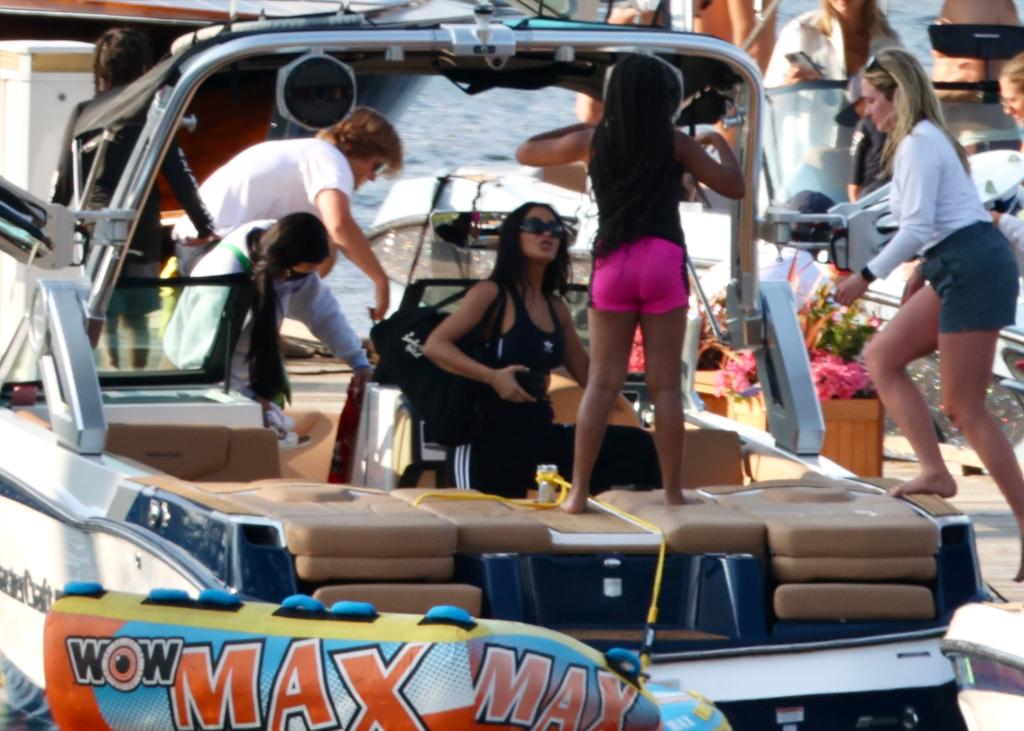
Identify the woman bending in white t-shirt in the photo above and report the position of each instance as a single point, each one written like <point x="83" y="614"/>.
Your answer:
<point x="971" y="270"/>
<point x="281" y="259"/>
<point x="315" y="175"/>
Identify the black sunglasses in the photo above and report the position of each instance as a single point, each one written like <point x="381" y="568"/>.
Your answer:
<point x="539" y="226"/>
<point x="874" y="65"/>
<point x="293" y="276"/>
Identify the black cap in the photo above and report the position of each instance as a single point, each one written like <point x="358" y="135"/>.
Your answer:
<point x="810" y="201"/>
<point x="848" y="115"/>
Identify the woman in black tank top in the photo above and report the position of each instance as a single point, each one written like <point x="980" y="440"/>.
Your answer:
<point x="515" y="429"/>
<point x="636" y="161"/>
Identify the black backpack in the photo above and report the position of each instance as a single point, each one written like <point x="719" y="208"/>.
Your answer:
<point x="443" y="400"/>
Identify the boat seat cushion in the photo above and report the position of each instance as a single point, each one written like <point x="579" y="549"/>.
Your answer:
<point x="836" y="522"/>
<point x="712" y="457"/>
<point x="696" y="527"/>
<point x="191" y="452"/>
<point x="405" y="598"/>
<point x="916" y="569"/>
<point x="855" y="602"/>
<point x="310" y="460"/>
<point x="319" y="569"/>
<point x="484" y="526"/>
<point x="336" y="532"/>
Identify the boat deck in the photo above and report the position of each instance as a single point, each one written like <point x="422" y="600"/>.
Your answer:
<point x="320" y="383"/>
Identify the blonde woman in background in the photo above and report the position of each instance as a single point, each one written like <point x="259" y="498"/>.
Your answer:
<point x="971" y="272"/>
<point x="1011" y="93"/>
<point x="838" y="39"/>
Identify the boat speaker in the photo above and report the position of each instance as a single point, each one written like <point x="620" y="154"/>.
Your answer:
<point x="316" y="90"/>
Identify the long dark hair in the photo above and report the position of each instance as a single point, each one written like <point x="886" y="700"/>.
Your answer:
<point x="632" y="150"/>
<point x="298" y="238"/>
<point x="508" y="268"/>
<point x="121" y="55"/>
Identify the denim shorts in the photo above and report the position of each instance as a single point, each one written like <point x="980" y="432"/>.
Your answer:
<point x="974" y="272"/>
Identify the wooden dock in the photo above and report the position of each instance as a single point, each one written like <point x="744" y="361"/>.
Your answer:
<point x="995" y="530"/>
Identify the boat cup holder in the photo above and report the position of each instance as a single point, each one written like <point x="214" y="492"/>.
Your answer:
<point x="316" y="91"/>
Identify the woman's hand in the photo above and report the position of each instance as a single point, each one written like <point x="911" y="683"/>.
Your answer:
<point x="795" y="74"/>
<point x="383" y="294"/>
<point x="914" y="283"/>
<point x="851" y="289"/>
<point x="358" y="382"/>
<point x="507" y="387"/>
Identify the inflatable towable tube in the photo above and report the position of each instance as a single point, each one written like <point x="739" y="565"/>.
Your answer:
<point x="166" y="661"/>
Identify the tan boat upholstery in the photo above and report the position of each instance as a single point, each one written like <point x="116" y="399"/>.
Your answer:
<point x="337" y="533"/>
<point x="712" y="457"/>
<point x="191" y="452"/>
<point x="697" y="527"/>
<point x="332" y="568"/>
<point x="813" y="522"/>
<point x="405" y="598"/>
<point x="862" y="602"/>
<point x="566" y="394"/>
<point x="310" y="460"/>
<point x="919" y="569"/>
<point x="483" y="526"/>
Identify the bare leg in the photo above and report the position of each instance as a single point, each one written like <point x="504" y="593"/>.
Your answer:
<point x="139" y="326"/>
<point x="112" y="340"/>
<point x="611" y="336"/>
<point x="663" y="350"/>
<point x="912" y="334"/>
<point x="966" y="362"/>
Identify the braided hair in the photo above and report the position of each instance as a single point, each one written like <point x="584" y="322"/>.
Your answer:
<point x="298" y="238"/>
<point x="632" y="153"/>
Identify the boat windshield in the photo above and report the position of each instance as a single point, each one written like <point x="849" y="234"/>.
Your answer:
<point x="161" y="332"/>
<point x="805" y="148"/>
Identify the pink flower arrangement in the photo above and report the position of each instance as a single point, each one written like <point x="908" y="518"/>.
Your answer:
<point x="835" y="338"/>
<point x="838" y="378"/>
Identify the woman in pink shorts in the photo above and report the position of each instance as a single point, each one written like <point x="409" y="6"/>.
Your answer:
<point x="636" y="161"/>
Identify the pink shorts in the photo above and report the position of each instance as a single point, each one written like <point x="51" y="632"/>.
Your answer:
<point x="647" y="275"/>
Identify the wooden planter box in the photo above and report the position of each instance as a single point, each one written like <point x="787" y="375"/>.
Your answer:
<point x="854" y="428"/>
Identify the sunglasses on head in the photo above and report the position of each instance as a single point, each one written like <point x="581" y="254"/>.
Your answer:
<point x="539" y="226"/>
<point x="874" y="65"/>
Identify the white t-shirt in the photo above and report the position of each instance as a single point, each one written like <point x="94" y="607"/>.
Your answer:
<point x="932" y="196"/>
<point x="190" y="332"/>
<point x="271" y="180"/>
<point x="828" y="51"/>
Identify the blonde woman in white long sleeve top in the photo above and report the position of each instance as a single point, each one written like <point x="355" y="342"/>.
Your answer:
<point x="973" y="278"/>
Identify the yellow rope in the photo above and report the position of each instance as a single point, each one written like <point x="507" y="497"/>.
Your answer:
<point x="563" y="492"/>
<point x="552" y="477"/>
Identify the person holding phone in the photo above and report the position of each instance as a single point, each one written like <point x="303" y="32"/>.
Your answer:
<point x="833" y="42"/>
<point x="533" y="333"/>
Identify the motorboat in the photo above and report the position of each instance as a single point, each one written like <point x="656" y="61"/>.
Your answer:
<point x="984" y="642"/>
<point x="791" y="593"/>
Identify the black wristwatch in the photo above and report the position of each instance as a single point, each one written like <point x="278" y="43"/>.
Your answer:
<point x="866" y="274"/>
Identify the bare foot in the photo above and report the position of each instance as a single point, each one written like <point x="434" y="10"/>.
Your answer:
<point x="576" y="502"/>
<point x="674" y="497"/>
<point x="1020" y="572"/>
<point x="941" y="485"/>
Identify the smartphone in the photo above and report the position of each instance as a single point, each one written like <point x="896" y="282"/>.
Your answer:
<point x="801" y="59"/>
<point x="534" y="383"/>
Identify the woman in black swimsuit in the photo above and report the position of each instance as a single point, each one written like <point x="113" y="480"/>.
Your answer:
<point x="516" y="430"/>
